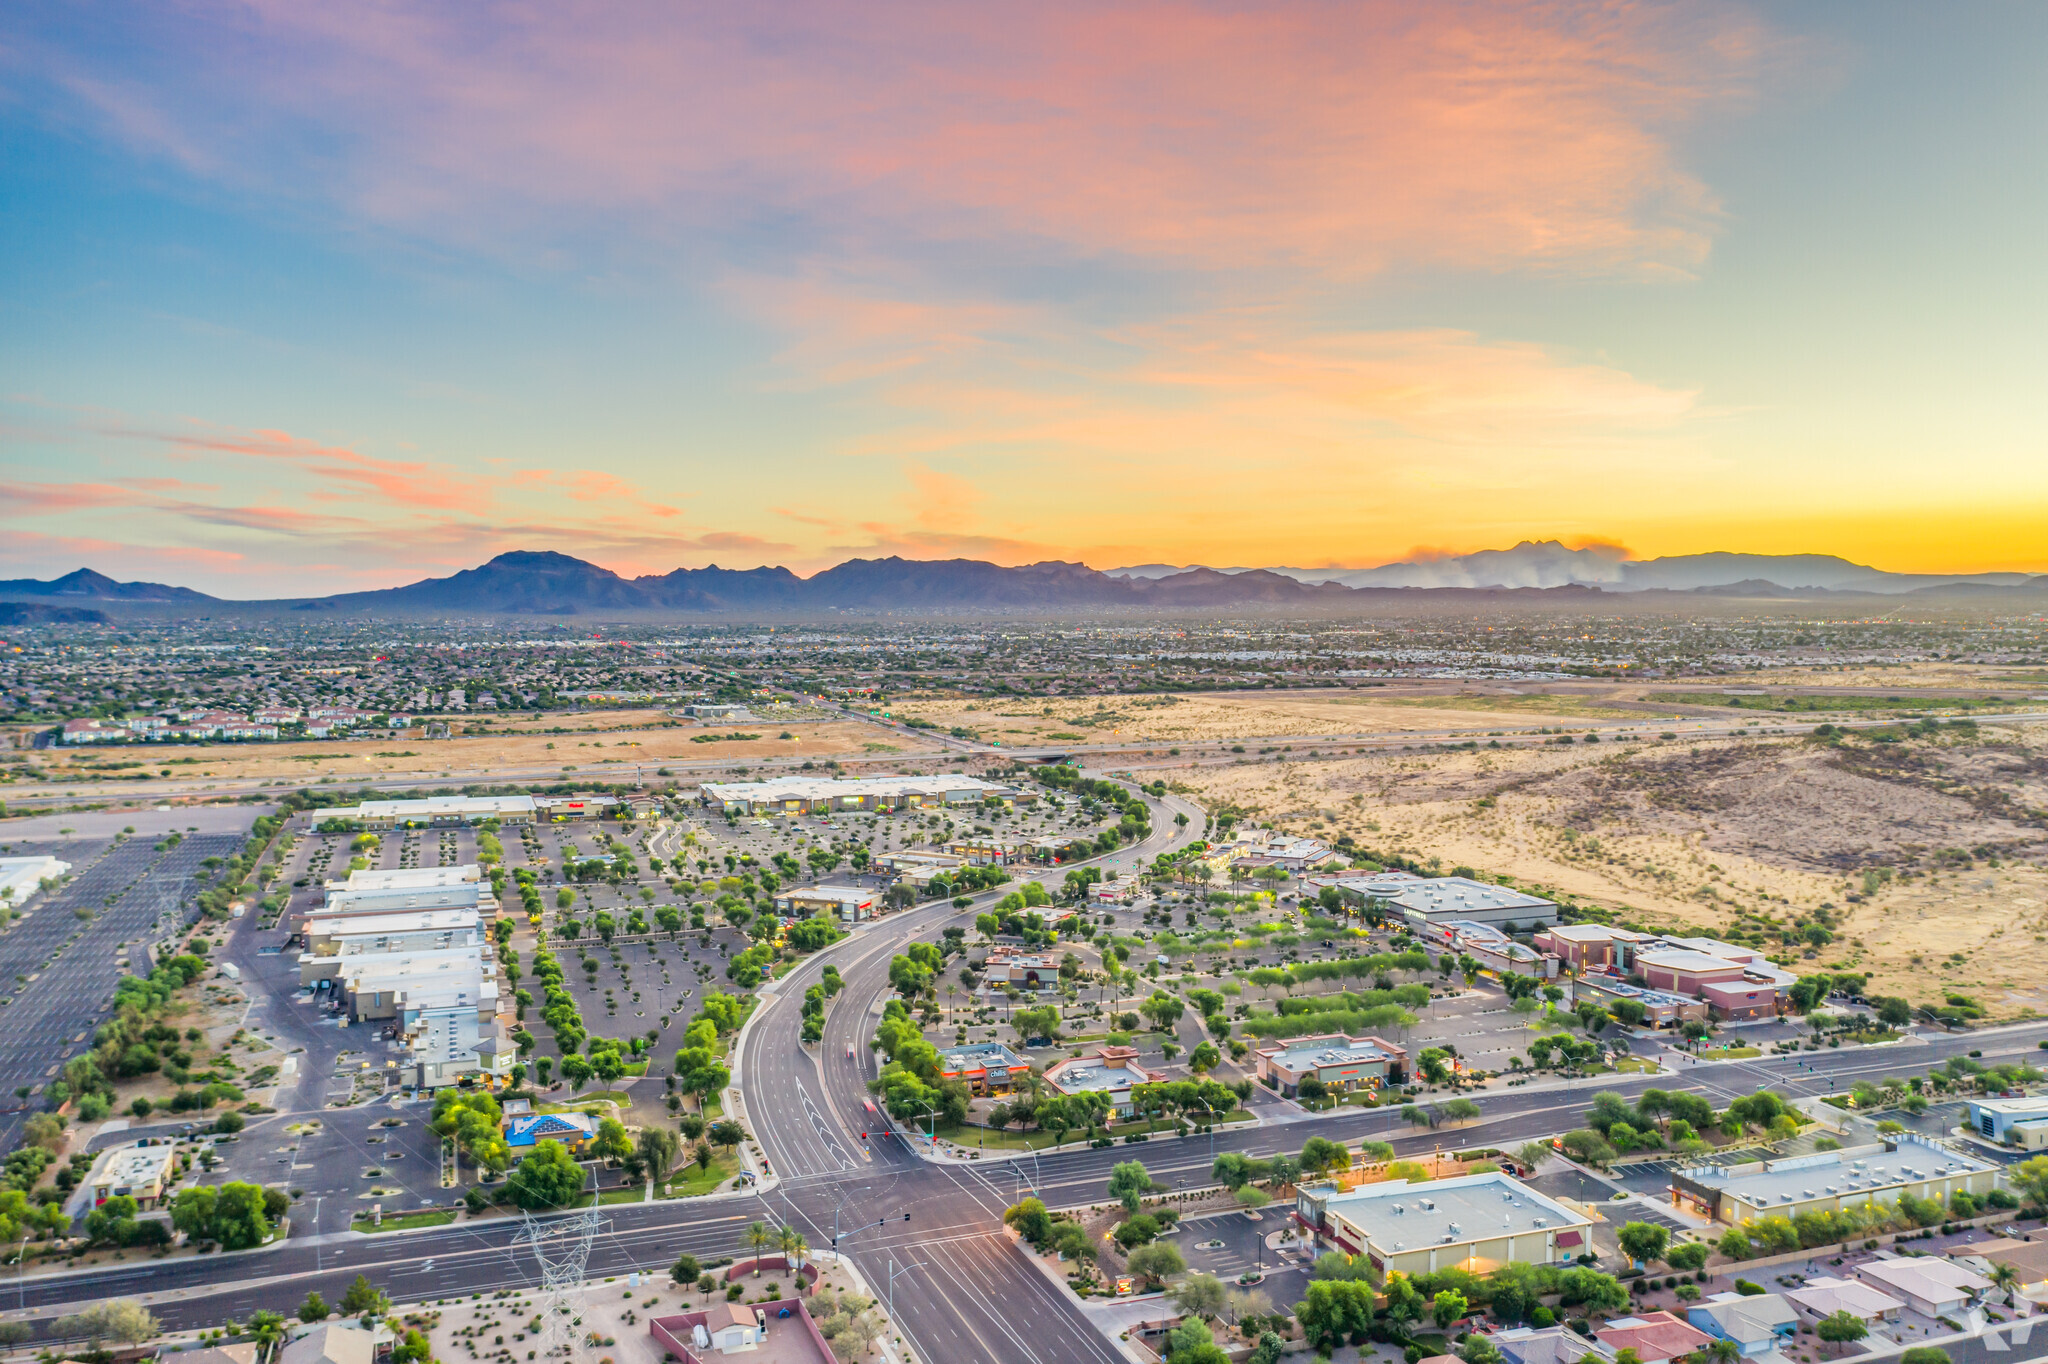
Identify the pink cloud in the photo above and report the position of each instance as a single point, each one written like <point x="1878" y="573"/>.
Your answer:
<point x="1341" y="137"/>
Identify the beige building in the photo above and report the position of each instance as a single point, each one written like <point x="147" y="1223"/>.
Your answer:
<point x="1830" y="1180"/>
<point x="1472" y="1222"/>
<point x="141" y="1172"/>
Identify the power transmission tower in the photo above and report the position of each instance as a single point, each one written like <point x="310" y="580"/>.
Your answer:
<point x="561" y="1246"/>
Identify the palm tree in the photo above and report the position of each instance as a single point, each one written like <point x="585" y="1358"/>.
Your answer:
<point x="785" y="1241"/>
<point x="266" y="1329"/>
<point x="2005" y="1278"/>
<point x="758" y="1236"/>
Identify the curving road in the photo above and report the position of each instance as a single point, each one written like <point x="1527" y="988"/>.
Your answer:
<point x="962" y="1291"/>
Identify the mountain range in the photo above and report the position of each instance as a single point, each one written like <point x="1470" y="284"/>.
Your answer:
<point x="1546" y="563"/>
<point x="544" y="583"/>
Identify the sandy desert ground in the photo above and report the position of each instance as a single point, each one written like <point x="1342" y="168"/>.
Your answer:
<point x="1232" y="716"/>
<point x="595" y="746"/>
<point x="1927" y="861"/>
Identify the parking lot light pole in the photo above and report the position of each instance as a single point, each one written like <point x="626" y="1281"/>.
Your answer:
<point x="317" y="1260"/>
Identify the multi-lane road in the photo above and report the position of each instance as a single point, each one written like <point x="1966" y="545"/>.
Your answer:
<point x="928" y="1233"/>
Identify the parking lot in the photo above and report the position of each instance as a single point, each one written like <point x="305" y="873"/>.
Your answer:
<point x="62" y="961"/>
<point x="1230" y="1245"/>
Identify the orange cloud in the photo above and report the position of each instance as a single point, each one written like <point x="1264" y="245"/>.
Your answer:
<point x="1342" y="137"/>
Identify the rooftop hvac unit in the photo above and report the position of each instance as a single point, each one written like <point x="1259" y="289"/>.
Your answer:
<point x="1542" y="1222"/>
<point x="1429" y="1205"/>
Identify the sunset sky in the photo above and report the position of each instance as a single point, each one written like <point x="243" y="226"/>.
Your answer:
<point x="311" y="297"/>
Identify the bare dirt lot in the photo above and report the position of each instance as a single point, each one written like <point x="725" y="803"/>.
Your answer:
<point x="1923" y="861"/>
<point x="1193" y="717"/>
<point x="587" y="744"/>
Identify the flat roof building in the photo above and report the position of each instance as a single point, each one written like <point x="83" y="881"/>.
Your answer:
<point x="848" y="903"/>
<point x="2012" y="1122"/>
<point x="1007" y="969"/>
<point x="822" y="795"/>
<point x="330" y="938"/>
<point x="1437" y="898"/>
<point x="1338" y="1061"/>
<point x="986" y="1067"/>
<point x="1684" y="972"/>
<point x="1111" y="1071"/>
<point x="1661" y="1008"/>
<point x="430" y="810"/>
<point x="142" y="1172"/>
<point x="1830" y="1180"/>
<point x="22" y="877"/>
<point x="1471" y="1222"/>
<point x="1592" y="946"/>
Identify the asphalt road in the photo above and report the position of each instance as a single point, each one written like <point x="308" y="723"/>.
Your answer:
<point x="935" y="1230"/>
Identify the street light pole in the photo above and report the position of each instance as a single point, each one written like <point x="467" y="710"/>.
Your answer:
<point x="894" y="1270"/>
<point x="318" y="1258"/>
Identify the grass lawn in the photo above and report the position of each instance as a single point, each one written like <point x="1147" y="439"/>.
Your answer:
<point x="596" y="1101"/>
<point x="1734" y="1053"/>
<point x="403" y="1221"/>
<point x="1629" y="1065"/>
<point x="693" y="1182"/>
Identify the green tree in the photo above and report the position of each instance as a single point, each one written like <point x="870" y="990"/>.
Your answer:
<point x="1643" y="1242"/>
<point x="657" y="1148"/>
<point x="364" y="1299"/>
<point x="1841" y="1328"/>
<point x="612" y="1141"/>
<point x="685" y="1271"/>
<point x="1155" y="1263"/>
<point x="1129" y="1183"/>
<point x="1405" y="1304"/>
<point x="121" y="1320"/>
<point x="2029" y="1179"/>
<point x="1448" y="1306"/>
<point x="549" y="1178"/>
<point x="1200" y="1295"/>
<point x="1030" y="1220"/>
<point x="1334" y="1310"/>
<point x="314" y="1308"/>
<point x="1320" y="1156"/>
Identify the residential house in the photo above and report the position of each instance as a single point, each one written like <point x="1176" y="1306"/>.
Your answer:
<point x="1656" y="1337"/>
<point x="1822" y="1297"/>
<point x="1931" y="1286"/>
<point x="1548" y="1345"/>
<point x="336" y="1342"/>
<point x="1756" y="1323"/>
